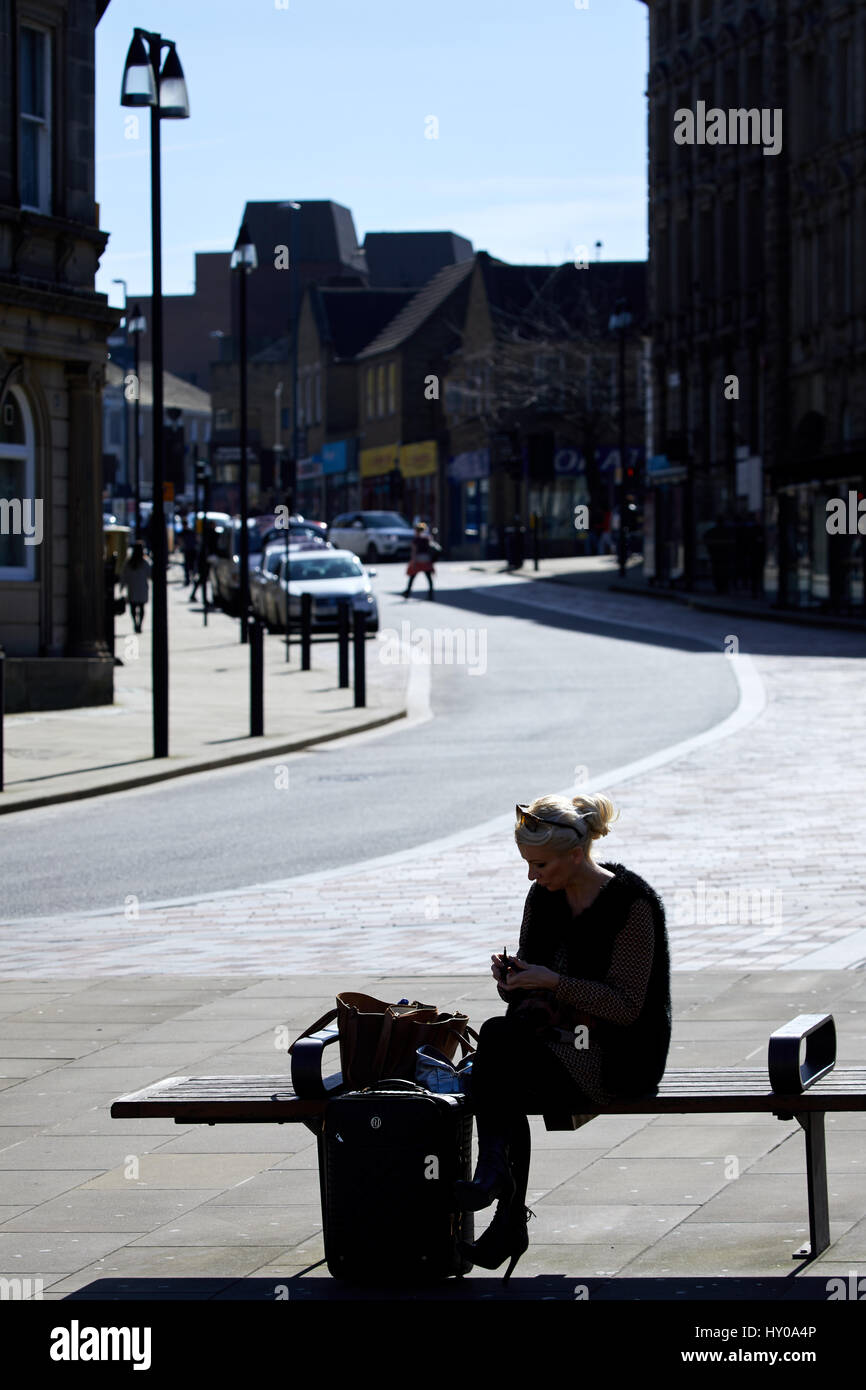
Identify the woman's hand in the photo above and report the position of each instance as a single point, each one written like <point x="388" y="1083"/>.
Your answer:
<point x="526" y="976"/>
<point x="497" y="971"/>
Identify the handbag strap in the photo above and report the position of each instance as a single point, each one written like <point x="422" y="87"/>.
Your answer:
<point x="384" y="1040"/>
<point x="314" y="1027"/>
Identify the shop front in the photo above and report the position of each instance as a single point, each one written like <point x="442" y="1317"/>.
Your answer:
<point x="419" y="468"/>
<point x="310" y="488"/>
<point x="815" y="549"/>
<point x="381" y="479"/>
<point x="340" y="476"/>
<point x="555" y="494"/>
<point x="664" y="514"/>
<point x="469" y="504"/>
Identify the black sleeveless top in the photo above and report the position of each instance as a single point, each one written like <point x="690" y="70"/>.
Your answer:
<point x="632" y="1054"/>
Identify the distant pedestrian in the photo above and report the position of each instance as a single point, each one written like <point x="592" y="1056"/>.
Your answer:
<point x="189" y="545"/>
<point x="420" y="559"/>
<point x="200" y="567"/>
<point x="135" y="575"/>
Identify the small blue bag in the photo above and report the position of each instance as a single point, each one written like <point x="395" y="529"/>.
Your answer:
<point x="436" y="1072"/>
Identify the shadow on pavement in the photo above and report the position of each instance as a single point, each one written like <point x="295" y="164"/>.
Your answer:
<point x="552" y="1287"/>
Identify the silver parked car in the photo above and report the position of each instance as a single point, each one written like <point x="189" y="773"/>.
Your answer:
<point x="372" y="535"/>
<point x="264" y="577"/>
<point x="327" y="575"/>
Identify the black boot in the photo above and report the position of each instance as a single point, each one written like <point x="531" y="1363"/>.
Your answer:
<point x="492" y="1174"/>
<point x="506" y="1238"/>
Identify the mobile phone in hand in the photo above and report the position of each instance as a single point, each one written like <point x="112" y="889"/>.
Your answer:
<point x="506" y="965"/>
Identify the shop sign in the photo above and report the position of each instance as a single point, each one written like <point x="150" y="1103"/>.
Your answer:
<point x="374" y="462"/>
<point x="569" y="462"/>
<point x="418" y="460"/>
<point x="474" y="463"/>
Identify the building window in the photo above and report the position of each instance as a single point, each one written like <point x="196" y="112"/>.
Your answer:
<point x="21" y="513"/>
<point x="223" y="420"/>
<point x="371" y="392"/>
<point x="380" y="391"/>
<point x="193" y="430"/>
<point x="35" y="119"/>
<point x="392" y="388"/>
<point x="684" y="16"/>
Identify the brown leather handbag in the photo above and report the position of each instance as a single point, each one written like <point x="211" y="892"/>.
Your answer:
<point x="380" y="1040"/>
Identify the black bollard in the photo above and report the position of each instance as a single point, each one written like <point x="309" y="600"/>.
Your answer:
<point x="306" y="629"/>
<point x="109" y="572"/>
<point x="536" y="527"/>
<point x="257" y="678"/>
<point x="343" y="607"/>
<point x="359" y="638"/>
<point x="2" y="708"/>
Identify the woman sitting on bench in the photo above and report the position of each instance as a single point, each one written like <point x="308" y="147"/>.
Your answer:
<point x="589" y="1011"/>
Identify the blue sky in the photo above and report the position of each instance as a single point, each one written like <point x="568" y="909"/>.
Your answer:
<point x="541" y="112"/>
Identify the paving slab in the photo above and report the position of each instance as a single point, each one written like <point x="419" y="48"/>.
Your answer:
<point x="184" y="1171"/>
<point x="236" y="1224"/>
<point x="168" y="1261"/>
<point x="86" y="1210"/>
<point x="51" y="1252"/>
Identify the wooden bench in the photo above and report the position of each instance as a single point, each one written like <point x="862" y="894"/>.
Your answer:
<point x="800" y="1059"/>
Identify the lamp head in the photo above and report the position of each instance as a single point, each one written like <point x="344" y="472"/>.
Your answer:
<point x="173" y="96"/>
<point x="138" y="87"/>
<point x="244" y="255"/>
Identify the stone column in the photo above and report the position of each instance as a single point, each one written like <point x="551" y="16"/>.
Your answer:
<point x="86" y="608"/>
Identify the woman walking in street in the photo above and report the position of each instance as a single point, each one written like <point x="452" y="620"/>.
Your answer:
<point x="589" y="1012"/>
<point x="135" y="576"/>
<point x="420" y="559"/>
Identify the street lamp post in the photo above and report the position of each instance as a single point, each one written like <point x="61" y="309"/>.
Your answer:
<point x="118" y="280"/>
<point x="620" y="321"/>
<point x="137" y="326"/>
<point x="163" y="89"/>
<point x="292" y="475"/>
<point x="244" y="261"/>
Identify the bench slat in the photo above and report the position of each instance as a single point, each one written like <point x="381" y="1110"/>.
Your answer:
<point x="227" y="1099"/>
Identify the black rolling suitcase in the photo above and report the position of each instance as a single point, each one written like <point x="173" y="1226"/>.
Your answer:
<point x="389" y="1156"/>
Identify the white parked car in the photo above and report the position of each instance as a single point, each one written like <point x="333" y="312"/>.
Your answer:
<point x="328" y="575"/>
<point x="264" y="585"/>
<point x="372" y="535"/>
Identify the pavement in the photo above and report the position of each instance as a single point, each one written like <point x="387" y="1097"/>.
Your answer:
<point x="752" y="832"/>
<point x="62" y="755"/>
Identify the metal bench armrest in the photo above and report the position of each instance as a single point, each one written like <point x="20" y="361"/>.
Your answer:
<point x="788" y="1075"/>
<point x="307" y="1055"/>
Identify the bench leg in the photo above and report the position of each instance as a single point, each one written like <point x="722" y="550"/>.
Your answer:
<point x="816" y="1179"/>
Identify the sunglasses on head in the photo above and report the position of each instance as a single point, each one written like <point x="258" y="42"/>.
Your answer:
<point x="531" y="822"/>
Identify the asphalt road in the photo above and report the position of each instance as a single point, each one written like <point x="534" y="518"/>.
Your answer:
<point x="544" y="694"/>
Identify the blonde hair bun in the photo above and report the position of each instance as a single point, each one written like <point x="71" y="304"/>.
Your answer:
<point x="599" y="812"/>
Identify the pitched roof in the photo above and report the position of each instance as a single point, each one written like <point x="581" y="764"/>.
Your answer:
<point x="525" y="298"/>
<point x="420" y="307"/>
<point x="411" y="259"/>
<point x="349" y="319"/>
<point x="177" y="393"/>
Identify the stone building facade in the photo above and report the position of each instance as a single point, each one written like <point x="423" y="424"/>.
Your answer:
<point x="757" y="156"/>
<point x="53" y="330"/>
